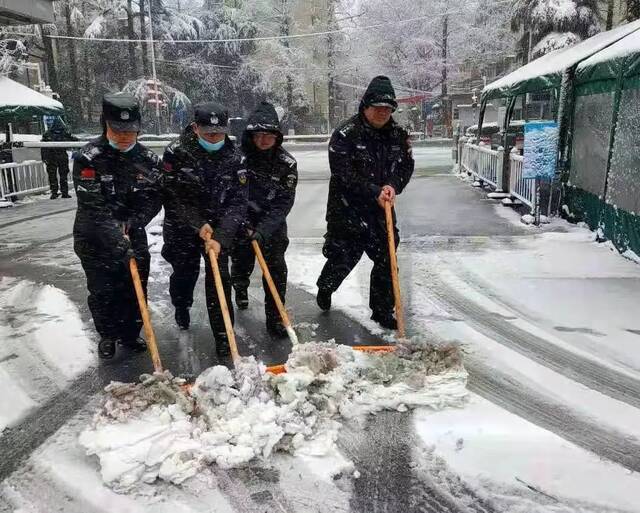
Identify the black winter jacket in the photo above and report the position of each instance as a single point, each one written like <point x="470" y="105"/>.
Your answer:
<point x="273" y="176"/>
<point x="56" y="133"/>
<point x="114" y="190"/>
<point x="201" y="187"/>
<point x="362" y="160"/>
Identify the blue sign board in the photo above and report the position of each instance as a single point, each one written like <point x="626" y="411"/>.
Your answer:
<point x="540" y="149"/>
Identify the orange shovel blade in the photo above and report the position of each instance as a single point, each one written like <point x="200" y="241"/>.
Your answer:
<point x="375" y="349"/>
<point x="281" y="369"/>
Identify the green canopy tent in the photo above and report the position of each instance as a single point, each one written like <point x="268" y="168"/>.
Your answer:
<point x="548" y="73"/>
<point x="603" y="186"/>
<point x="552" y="73"/>
<point x="19" y="103"/>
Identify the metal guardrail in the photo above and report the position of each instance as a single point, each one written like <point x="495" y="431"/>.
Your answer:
<point x="483" y="163"/>
<point x="21" y="179"/>
<point x="521" y="188"/>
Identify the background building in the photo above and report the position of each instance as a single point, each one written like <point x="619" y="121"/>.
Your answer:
<point x="25" y="12"/>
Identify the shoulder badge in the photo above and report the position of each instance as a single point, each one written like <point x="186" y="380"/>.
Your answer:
<point x="242" y="176"/>
<point x="291" y="181"/>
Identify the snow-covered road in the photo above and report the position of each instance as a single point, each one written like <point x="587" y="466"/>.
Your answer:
<point x="551" y="425"/>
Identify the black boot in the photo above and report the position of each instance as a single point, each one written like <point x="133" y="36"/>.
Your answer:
<point x="276" y="329"/>
<point x="385" y="319"/>
<point x="183" y="319"/>
<point x="106" y="348"/>
<point x="222" y="345"/>
<point x="54" y="195"/>
<point x="137" y="344"/>
<point x="242" y="299"/>
<point x="65" y="195"/>
<point x="324" y="299"/>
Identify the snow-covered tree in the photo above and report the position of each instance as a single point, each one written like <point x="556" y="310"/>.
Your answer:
<point x="13" y="52"/>
<point x="633" y="10"/>
<point x="547" y="25"/>
<point x="432" y="50"/>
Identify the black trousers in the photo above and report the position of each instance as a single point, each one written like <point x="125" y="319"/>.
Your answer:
<point x="112" y="297"/>
<point x="58" y="167"/>
<point x="343" y="251"/>
<point x="213" y="305"/>
<point x="243" y="261"/>
<point x="184" y="249"/>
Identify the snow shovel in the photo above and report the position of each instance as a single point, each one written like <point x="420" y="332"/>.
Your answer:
<point x="146" y="319"/>
<point x="224" y="307"/>
<point x="279" y="369"/>
<point x="274" y="293"/>
<point x="393" y="262"/>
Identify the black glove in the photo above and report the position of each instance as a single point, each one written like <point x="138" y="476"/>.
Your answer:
<point x="128" y="253"/>
<point x="255" y="235"/>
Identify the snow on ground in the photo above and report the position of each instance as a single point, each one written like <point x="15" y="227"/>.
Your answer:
<point x="493" y="449"/>
<point x="155" y="430"/>
<point x="144" y="433"/>
<point x="556" y="285"/>
<point x="44" y="346"/>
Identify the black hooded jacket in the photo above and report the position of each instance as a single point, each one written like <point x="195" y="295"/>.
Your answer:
<point x="362" y="160"/>
<point x="114" y="190"/>
<point x="201" y="187"/>
<point x="57" y="133"/>
<point x="273" y="175"/>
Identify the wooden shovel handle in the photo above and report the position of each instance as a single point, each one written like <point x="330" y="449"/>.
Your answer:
<point x="274" y="292"/>
<point x="222" y="299"/>
<point x="393" y="262"/>
<point x="146" y="318"/>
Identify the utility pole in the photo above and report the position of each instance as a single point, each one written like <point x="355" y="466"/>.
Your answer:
<point x="132" y="35"/>
<point x="143" y="37"/>
<point x="331" y="86"/>
<point x="446" y="110"/>
<point x="74" y="114"/>
<point x="284" y="31"/>
<point x="153" y="71"/>
<point x="609" y="24"/>
<point x="52" y="73"/>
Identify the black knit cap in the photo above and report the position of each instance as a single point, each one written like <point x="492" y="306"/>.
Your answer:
<point x="380" y="93"/>
<point x="211" y="117"/>
<point x="121" y="111"/>
<point x="264" y="119"/>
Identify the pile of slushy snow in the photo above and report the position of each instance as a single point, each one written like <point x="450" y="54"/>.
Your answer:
<point x="160" y="429"/>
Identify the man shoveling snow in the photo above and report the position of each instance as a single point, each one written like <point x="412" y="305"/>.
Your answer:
<point x="156" y="430"/>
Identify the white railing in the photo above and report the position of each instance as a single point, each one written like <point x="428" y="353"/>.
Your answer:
<point x="521" y="188"/>
<point x="20" y="179"/>
<point x="483" y="163"/>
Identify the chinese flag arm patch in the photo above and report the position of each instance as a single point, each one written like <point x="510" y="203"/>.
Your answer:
<point x="88" y="173"/>
<point x="167" y="166"/>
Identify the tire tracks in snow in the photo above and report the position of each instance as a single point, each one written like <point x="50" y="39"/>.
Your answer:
<point x="511" y="394"/>
<point x="409" y="480"/>
<point x="588" y="372"/>
<point x="36" y="217"/>
<point x="514" y="396"/>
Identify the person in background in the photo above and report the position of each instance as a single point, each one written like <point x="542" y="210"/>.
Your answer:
<point x="57" y="159"/>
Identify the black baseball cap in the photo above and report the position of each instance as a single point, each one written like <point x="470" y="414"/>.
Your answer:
<point x="121" y="111"/>
<point x="211" y="117"/>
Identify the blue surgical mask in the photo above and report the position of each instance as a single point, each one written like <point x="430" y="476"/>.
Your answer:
<point x="209" y="146"/>
<point x="116" y="147"/>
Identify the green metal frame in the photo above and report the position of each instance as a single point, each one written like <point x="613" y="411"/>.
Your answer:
<point x="612" y="223"/>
